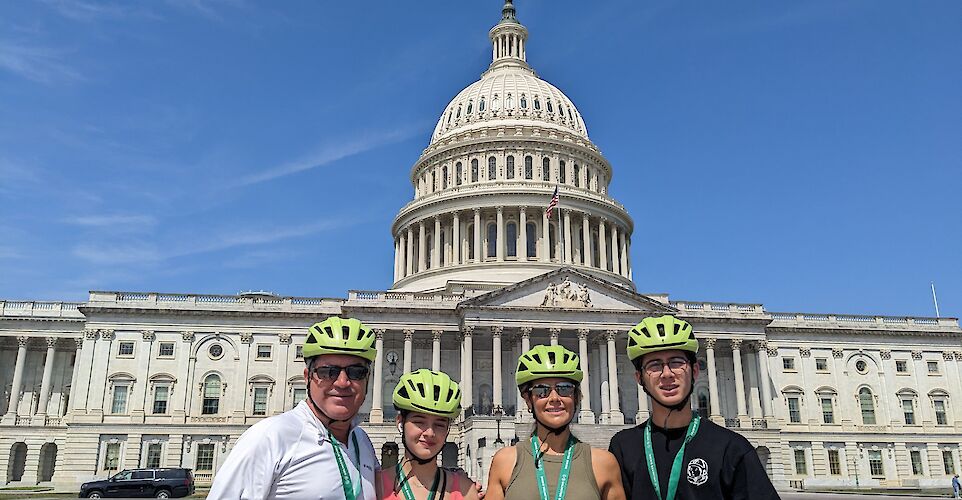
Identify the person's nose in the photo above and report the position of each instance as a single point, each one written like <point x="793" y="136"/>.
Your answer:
<point x="342" y="381"/>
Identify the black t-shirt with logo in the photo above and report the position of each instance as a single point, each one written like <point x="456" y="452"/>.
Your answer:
<point x="718" y="464"/>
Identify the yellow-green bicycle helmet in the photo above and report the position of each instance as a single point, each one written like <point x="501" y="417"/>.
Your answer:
<point x="544" y="361"/>
<point x="426" y="391"/>
<point x="661" y="334"/>
<point x="337" y="335"/>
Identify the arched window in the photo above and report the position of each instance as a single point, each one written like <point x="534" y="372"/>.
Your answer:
<point x="510" y="167"/>
<point x="492" y="168"/>
<point x="428" y="249"/>
<point x="458" y="173"/>
<point x="546" y="170"/>
<point x="444" y="177"/>
<point x="550" y="108"/>
<point x="470" y="239"/>
<point x="434" y="186"/>
<point x="470" y="107"/>
<point x="867" y="404"/>
<point x="211" y="404"/>
<point x="458" y="115"/>
<point x="474" y="170"/>
<point x="511" y="239"/>
<point x="481" y="105"/>
<point x="577" y="175"/>
<point x="537" y="103"/>
<point x="492" y="240"/>
<point x="528" y="168"/>
<point x="531" y="233"/>
<point x="450" y="112"/>
<point x="524" y="102"/>
<point x="508" y="102"/>
<point x="495" y="103"/>
<point x="441" y="256"/>
<point x="562" y="174"/>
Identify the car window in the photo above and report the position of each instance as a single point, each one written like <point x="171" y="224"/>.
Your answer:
<point x="143" y="474"/>
<point x="121" y="476"/>
<point x="172" y="473"/>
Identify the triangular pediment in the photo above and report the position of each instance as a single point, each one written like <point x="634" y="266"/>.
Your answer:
<point x="568" y="289"/>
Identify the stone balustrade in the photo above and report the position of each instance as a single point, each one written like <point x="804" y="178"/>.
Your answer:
<point x="37" y="309"/>
<point x="855" y="321"/>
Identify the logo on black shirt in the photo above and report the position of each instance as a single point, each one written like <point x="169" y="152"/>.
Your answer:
<point x="697" y="472"/>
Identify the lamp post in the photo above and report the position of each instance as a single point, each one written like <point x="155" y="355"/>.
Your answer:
<point x="498" y="413"/>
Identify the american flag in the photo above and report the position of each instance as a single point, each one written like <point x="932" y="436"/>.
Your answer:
<point x="553" y="203"/>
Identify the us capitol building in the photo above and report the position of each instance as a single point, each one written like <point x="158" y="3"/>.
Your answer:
<point x="144" y="379"/>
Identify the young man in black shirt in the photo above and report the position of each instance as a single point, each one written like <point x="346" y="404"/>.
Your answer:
<point x="676" y="454"/>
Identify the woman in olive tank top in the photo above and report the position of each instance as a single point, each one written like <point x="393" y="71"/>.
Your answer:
<point x="552" y="464"/>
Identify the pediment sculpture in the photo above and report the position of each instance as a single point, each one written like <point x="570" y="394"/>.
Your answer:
<point x="566" y="294"/>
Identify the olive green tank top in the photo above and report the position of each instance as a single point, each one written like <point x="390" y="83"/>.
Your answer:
<point x="581" y="479"/>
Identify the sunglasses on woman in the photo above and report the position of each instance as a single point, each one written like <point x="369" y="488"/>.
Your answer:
<point x="564" y="390"/>
<point x="332" y="372"/>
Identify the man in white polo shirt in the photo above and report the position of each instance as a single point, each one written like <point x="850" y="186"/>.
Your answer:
<point x="315" y="450"/>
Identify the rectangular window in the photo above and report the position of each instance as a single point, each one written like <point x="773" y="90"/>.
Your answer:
<point x="119" y="403"/>
<point x="300" y="394"/>
<point x="263" y="351"/>
<point x="933" y="367"/>
<point x="828" y="412"/>
<point x="166" y="349"/>
<point x="299" y="352"/>
<point x="834" y="465"/>
<point x="916" y="457"/>
<point x="205" y="457"/>
<point x="940" y="417"/>
<point x="875" y="463"/>
<point x="908" y="409"/>
<point x="794" y="413"/>
<point x="112" y="456"/>
<point x="901" y="366"/>
<point x="801" y="468"/>
<point x="126" y="349"/>
<point x="948" y="462"/>
<point x="161" y="394"/>
<point x="153" y="455"/>
<point x="788" y="364"/>
<point x="821" y="364"/>
<point x="260" y="401"/>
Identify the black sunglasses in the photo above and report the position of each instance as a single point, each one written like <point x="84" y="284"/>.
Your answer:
<point x="332" y="372"/>
<point x="564" y="390"/>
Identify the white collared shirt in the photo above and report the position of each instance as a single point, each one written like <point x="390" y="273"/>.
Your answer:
<point x="290" y="456"/>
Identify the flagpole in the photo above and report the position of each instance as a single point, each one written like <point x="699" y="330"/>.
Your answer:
<point x="935" y="299"/>
<point x="561" y="231"/>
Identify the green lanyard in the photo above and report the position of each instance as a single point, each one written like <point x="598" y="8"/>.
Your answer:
<point x="406" y="486"/>
<point x="675" y="466"/>
<point x="562" y="476"/>
<point x="351" y="492"/>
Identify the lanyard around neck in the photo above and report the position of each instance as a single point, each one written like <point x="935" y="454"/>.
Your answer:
<point x="675" y="466"/>
<point x="351" y="491"/>
<point x="406" y="485"/>
<point x="562" y="475"/>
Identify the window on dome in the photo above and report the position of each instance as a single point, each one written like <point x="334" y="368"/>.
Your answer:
<point x="492" y="168"/>
<point x="511" y="239"/>
<point x="441" y="259"/>
<point x="562" y="175"/>
<point x="524" y="102"/>
<point x="470" y="107"/>
<point x="537" y="103"/>
<point x="508" y="102"/>
<point x="458" y="115"/>
<point x="550" y="108"/>
<point x="570" y="116"/>
<point x="528" y="168"/>
<point x="577" y="175"/>
<point x="470" y="239"/>
<point x="546" y="169"/>
<point x="444" y="177"/>
<point x="481" y="105"/>
<point x="531" y="233"/>
<point x="450" y="112"/>
<point x="474" y="170"/>
<point x="458" y="174"/>
<point x="428" y="249"/>
<point x="492" y="240"/>
<point x="510" y="168"/>
<point x="495" y="103"/>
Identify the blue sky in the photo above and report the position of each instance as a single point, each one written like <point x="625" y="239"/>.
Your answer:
<point x="809" y="153"/>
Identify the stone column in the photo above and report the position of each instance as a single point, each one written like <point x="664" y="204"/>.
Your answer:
<point x="47" y="373"/>
<point x="714" y="404"/>
<point x="615" y="256"/>
<point x="436" y="350"/>
<point x="409" y="258"/>
<point x="617" y="417"/>
<point x="586" y="240"/>
<point x="456" y="238"/>
<point x="739" y="379"/>
<point x="478" y="251"/>
<point x="408" y="351"/>
<point x="554" y="334"/>
<point x="496" y="366"/>
<point x="79" y="392"/>
<point x="586" y="416"/>
<point x="602" y="244"/>
<point x="525" y="339"/>
<point x="567" y="237"/>
<point x="422" y="246"/>
<point x="436" y="255"/>
<point x="545" y="237"/>
<point x="766" y="384"/>
<point x="377" y="413"/>
<point x="499" y="248"/>
<point x="643" y="411"/>
<point x="397" y="258"/>
<point x="624" y="254"/>
<point x="467" y="385"/>
<point x="11" y="416"/>
<point x="604" y="394"/>
<point x="523" y="233"/>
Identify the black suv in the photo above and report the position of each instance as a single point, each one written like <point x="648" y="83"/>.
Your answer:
<point x="156" y="483"/>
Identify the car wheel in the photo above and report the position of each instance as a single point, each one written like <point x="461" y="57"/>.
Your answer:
<point x="95" y="494"/>
<point x="162" y="494"/>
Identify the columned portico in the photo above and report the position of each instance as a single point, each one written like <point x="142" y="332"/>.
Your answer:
<point x="616" y="417"/>
<point x="586" y="416"/>
<point x="11" y="415"/>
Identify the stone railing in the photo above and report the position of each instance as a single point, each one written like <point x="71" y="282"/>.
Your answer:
<point x="53" y="421"/>
<point x="41" y="309"/>
<point x="718" y="307"/>
<point x="177" y="300"/>
<point x="732" y="423"/>
<point x="23" y="420"/>
<point x="854" y="320"/>
<point x="759" y="423"/>
<point x="372" y="296"/>
<point x="203" y="477"/>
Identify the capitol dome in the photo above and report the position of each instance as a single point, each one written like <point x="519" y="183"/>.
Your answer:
<point x="501" y="150"/>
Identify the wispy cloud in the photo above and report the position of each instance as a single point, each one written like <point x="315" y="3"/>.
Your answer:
<point x="80" y="10"/>
<point x="330" y="153"/>
<point x="39" y="64"/>
<point x="211" y="9"/>
<point x="104" y="220"/>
